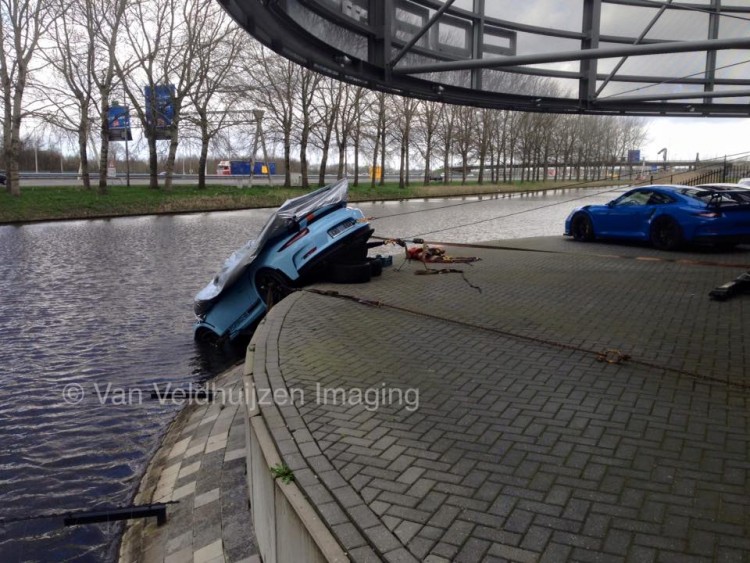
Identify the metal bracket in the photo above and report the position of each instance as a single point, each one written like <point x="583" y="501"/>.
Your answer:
<point x="93" y="517"/>
<point x="741" y="284"/>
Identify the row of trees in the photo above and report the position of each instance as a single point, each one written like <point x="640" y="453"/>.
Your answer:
<point x="64" y="61"/>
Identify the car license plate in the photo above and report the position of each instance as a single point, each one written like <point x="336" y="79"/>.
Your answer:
<point x="341" y="227"/>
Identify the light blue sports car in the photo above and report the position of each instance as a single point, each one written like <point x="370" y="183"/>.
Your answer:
<point x="668" y="216"/>
<point x="304" y="237"/>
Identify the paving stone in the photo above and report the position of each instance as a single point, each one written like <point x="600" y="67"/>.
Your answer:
<point x="205" y="498"/>
<point x="211" y="552"/>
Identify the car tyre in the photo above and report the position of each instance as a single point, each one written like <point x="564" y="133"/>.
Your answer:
<point x="666" y="234"/>
<point x="581" y="228"/>
<point x="360" y="272"/>
<point x="272" y="286"/>
<point x="725" y="246"/>
<point x="207" y="337"/>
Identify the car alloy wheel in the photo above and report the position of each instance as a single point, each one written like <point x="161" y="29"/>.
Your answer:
<point x="666" y="234"/>
<point x="581" y="228"/>
<point x="271" y="286"/>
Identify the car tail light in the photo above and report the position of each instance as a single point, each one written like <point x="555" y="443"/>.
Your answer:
<point x="309" y="252"/>
<point x="709" y="214"/>
<point x="294" y="239"/>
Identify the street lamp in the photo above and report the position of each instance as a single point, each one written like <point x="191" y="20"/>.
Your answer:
<point x="664" y="151"/>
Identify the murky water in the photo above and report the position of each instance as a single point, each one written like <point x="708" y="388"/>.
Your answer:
<point x="93" y="314"/>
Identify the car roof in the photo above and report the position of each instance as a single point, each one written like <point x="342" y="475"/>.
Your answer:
<point x="722" y="186"/>
<point x="666" y="187"/>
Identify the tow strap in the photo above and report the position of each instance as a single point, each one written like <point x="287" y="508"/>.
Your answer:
<point x="681" y="261"/>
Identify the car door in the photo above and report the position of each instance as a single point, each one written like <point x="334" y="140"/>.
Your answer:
<point x="629" y="215"/>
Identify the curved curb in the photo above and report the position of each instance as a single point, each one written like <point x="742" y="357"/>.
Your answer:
<point x="287" y="525"/>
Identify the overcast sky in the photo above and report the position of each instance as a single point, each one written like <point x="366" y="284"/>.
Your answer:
<point x="708" y="136"/>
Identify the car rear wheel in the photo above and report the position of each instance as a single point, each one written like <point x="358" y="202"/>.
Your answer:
<point x="271" y="286"/>
<point x="581" y="228"/>
<point x="666" y="234"/>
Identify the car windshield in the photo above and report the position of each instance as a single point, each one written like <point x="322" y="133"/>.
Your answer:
<point x="633" y="198"/>
<point x="715" y="196"/>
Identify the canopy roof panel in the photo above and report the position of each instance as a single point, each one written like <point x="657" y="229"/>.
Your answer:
<point x="639" y="57"/>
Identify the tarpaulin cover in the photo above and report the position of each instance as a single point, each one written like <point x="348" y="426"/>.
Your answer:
<point x="282" y="220"/>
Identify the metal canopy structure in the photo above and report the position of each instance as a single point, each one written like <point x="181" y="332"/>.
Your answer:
<point x="635" y="57"/>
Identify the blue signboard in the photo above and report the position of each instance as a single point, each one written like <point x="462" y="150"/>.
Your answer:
<point x="159" y="109"/>
<point x="634" y="156"/>
<point x="118" y="119"/>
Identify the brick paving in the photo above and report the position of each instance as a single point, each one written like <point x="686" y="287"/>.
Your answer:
<point x="519" y="450"/>
<point x="200" y="466"/>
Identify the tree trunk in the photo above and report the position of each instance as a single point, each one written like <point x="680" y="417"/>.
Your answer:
<point x="428" y="158"/>
<point x="287" y="163"/>
<point x="203" y="158"/>
<point x="304" y="136"/>
<point x="12" y="154"/>
<point x="173" y="142"/>
<point x="323" y="165"/>
<point x="340" y="168"/>
<point x="83" y="150"/>
<point x="103" y="144"/>
<point x="373" y="174"/>
<point x="153" y="162"/>
<point x="356" y="157"/>
<point x="402" y="155"/>
<point x="382" y="154"/>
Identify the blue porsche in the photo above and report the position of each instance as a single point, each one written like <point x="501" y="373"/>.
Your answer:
<point x="306" y="235"/>
<point x="667" y="216"/>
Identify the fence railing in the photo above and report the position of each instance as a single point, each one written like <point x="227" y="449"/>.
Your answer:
<point x="726" y="173"/>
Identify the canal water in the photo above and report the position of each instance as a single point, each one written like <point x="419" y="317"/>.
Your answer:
<point x="95" y="314"/>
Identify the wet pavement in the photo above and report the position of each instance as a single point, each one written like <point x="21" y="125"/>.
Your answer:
<point x="587" y="404"/>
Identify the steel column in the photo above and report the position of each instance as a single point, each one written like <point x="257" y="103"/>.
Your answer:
<point x="591" y="28"/>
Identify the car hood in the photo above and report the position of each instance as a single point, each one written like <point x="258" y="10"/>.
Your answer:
<point x="279" y="223"/>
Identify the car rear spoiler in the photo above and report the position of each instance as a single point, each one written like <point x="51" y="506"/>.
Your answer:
<point x="719" y="199"/>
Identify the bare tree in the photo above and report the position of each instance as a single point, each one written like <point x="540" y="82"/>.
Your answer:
<point x="22" y="23"/>
<point x="103" y="24"/>
<point x="377" y="120"/>
<point x="486" y="120"/>
<point x="309" y="82"/>
<point x="73" y="57"/>
<point x="150" y="29"/>
<point x="406" y="109"/>
<point x="327" y="109"/>
<point x="198" y="27"/>
<point x="274" y="84"/>
<point x="349" y="111"/>
<point x="464" y="136"/>
<point x="215" y="89"/>
<point x="428" y="119"/>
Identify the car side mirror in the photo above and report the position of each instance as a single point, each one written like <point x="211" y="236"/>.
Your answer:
<point x="611" y="204"/>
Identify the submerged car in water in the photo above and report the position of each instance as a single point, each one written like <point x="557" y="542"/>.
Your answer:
<point x="306" y="236"/>
<point x="668" y="216"/>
